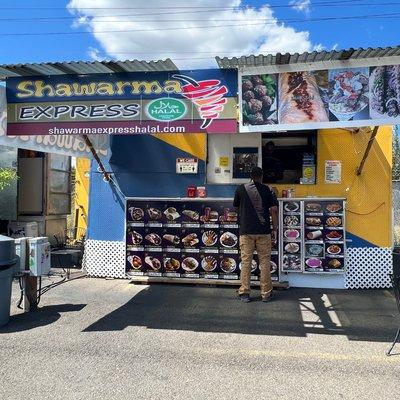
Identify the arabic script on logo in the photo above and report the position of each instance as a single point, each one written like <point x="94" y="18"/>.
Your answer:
<point x="166" y="109"/>
<point x="207" y="95"/>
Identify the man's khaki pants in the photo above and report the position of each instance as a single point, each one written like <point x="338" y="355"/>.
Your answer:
<point x="261" y="243"/>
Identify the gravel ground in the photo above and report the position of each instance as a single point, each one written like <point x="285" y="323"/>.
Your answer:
<point x="109" y="339"/>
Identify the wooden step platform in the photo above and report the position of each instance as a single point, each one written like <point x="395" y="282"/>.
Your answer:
<point x="147" y="280"/>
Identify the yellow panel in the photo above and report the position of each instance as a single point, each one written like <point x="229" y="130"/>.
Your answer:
<point x="82" y="191"/>
<point x="369" y="196"/>
<point x="194" y="143"/>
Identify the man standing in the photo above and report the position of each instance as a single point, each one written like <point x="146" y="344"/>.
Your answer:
<point x="256" y="204"/>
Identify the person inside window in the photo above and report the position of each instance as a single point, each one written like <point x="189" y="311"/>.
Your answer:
<point x="272" y="166"/>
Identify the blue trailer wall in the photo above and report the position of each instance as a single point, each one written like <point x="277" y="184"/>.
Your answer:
<point x="142" y="166"/>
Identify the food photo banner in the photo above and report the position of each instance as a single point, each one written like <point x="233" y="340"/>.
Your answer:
<point x="316" y="99"/>
<point x="124" y="104"/>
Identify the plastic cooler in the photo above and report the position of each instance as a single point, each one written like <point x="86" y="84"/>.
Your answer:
<point x="7" y="262"/>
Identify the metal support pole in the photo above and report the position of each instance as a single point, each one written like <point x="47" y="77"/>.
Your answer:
<point x="96" y="157"/>
<point x="30" y="293"/>
<point x="367" y="150"/>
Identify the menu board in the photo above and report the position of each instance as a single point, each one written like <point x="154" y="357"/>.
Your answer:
<point x="313" y="235"/>
<point x="324" y="236"/>
<point x="182" y="238"/>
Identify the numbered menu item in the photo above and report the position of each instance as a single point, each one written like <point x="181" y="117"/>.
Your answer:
<point x="228" y="216"/>
<point x="229" y="266"/>
<point x="171" y="214"/>
<point x="324" y="236"/>
<point x="291" y="263"/>
<point x="134" y="263"/>
<point x="228" y="240"/>
<point x="172" y="265"/>
<point x="134" y="236"/>
<point x="209" y="238"/>
<point x="153" y="264"/>
<point x="209" y="215"/>
<point x="135" y="213"/>
<point x="209" y="265"/>
<point x="191" y="265"/>
<point x="191" y="212"/>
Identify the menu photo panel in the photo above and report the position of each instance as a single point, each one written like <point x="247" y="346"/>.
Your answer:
<point x="292" y="236"/>
<point x="324" y="236"/>
<point x="339" y="97"/>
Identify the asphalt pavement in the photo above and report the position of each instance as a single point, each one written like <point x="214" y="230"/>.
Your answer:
<point x="110" y="339"/>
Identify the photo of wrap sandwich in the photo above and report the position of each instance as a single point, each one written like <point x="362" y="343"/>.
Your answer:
<point x="384" y="85"/>
<point x="301" y="99"/>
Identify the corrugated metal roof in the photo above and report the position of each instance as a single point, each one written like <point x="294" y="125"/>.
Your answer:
<point x="315" y="56"/>
<point x="85" y="67"/>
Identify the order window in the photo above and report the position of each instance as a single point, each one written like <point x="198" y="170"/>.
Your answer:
<point x="289" y="158"/>
<point x="285" y="157"/>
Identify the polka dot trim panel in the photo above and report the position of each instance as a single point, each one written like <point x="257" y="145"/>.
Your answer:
<point x="104" y="258"/>
<point x="368" y="268"/>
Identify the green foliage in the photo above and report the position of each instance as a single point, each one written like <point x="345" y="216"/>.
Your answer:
<point x="270" y="85"/>
<point x="7" y="176"/>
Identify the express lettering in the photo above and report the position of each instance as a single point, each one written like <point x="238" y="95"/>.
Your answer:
<point x="27" y="113"/>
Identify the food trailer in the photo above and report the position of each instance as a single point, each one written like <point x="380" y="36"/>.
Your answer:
<point x="316" y="123"/>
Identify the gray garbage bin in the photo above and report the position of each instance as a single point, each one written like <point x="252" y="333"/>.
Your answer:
<point x="7" y="262"/>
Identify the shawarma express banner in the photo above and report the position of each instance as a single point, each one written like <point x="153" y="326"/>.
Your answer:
<point x="316" y="99"/>
<point x="123" y="104"/>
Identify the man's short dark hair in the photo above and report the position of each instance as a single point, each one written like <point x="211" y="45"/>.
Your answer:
<point x="270" y="144"/>
<point x="256" y="173"/>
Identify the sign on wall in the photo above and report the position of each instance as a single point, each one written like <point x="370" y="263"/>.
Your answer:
<point x="315" y="99"/>
<point x="333" y="171"/>
<point x="187" y="165"/>
<point x="124" y="104"/>
<point x="67" y="145"/>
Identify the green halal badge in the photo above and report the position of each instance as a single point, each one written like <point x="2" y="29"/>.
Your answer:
<point x="166" y="109"/>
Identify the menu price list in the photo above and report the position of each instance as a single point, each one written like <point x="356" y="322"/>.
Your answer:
<point x="324" y="236"/>
<point x="182" y="239"/>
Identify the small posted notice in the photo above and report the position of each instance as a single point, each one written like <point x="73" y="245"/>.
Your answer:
<point x="187" y="165"/>
<point x="333" y="171"/>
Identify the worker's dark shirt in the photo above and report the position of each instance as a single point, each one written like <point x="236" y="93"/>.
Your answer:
<point x="249" y="221"/>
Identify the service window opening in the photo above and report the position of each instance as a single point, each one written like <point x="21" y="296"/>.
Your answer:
<point x="285" y="157"/>
<point x="289" y="158"/>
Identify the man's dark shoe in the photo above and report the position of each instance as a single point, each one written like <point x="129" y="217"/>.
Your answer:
<point x="245" y="298"/>
<point x="267" y="299"/>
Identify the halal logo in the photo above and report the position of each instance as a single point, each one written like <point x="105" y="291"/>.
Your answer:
<point x="166" y="109"/>
<point x="207" y="95"/>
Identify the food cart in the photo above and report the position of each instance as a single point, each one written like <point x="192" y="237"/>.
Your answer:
<point x="329" y="163"/>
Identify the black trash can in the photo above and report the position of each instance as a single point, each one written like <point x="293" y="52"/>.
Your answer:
<point x="8" y="259"/>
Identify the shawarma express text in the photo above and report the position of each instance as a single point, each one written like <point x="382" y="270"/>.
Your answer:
<point x="79" y="111"/>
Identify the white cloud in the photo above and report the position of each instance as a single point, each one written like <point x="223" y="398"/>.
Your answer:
<point x="301" y="5"/>
<point x="94" y="54"/>
<point x="150" y="37"/>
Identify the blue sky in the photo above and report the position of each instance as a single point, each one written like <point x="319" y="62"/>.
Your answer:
<point x="189" y="47"/>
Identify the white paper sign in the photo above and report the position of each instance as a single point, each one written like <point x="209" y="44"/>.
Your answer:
<point x="187" y="165"/>
<point x="333" y="171"/>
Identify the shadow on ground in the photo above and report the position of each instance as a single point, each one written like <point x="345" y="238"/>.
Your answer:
<point x="360" y="315"/>
<point x="41" y="317"/>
